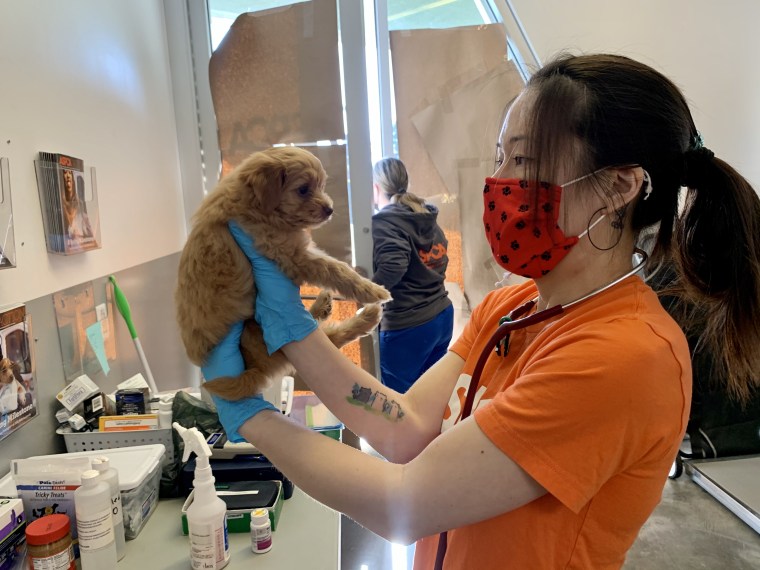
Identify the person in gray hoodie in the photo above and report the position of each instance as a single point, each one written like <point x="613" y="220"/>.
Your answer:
<point x="410" y="260"/>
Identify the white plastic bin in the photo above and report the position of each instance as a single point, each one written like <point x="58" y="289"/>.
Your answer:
<point x="139" y="477"/>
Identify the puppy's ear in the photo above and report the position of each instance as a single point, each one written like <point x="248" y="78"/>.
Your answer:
<point x="17" y="371"/>
<point x="265" y="176"/>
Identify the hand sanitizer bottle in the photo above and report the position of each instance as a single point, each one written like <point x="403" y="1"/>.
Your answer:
<point x="111" y="476"/>
<point x="207" y="514"/>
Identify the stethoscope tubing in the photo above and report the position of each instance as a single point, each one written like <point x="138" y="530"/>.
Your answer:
<point x="502" y="332"/>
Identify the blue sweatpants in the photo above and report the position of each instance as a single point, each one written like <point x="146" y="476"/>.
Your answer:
<point x="406" y="353"/>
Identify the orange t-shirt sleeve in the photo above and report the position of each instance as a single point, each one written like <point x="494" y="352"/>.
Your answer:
<point x="463" y="345"/>
<point x="566" y="416"/>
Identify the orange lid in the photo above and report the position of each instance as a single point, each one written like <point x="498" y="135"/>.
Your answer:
<point x="47" y="529"/>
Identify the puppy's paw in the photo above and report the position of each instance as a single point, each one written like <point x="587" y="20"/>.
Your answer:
<point x="361" y="324"/>
<point x="370" y="316"/>
<point x="368" y="292"/>
<point x="321" y="308"/>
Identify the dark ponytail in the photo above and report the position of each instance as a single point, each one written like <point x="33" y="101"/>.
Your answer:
<point x="626" y="113"/>
<point x="716" y="250"/>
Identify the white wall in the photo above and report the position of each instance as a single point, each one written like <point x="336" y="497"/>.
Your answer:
<point x="710" y="49"/>
<point x="90" y="79"/>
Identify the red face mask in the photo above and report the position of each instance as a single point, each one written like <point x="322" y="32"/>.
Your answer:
<point x="524" y="240"/>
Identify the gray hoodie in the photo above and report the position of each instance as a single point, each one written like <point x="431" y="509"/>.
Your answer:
<point x="409" y="259"/>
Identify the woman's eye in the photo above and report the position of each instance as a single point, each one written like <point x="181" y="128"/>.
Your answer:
<point x="303" y="190"/>
<point x="519" y="160"/>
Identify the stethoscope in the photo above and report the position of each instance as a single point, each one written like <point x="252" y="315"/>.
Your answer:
<point x="499" y="341"/>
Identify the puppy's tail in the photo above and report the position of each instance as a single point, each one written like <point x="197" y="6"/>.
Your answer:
<point x="361" y="324"/>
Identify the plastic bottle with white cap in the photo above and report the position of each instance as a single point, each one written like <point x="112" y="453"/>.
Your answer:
<point x="111" y="476"/>
<point x="92" y="503"/>
<point x="261" y="531"/>
<point x="165" y="413"/>
<point x="207" y="514"/>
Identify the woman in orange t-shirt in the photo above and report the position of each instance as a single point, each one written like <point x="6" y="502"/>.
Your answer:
<point x="577" y="418"/>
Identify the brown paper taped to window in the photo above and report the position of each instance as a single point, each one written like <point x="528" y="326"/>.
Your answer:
<point x="275" y="78"/>
<point x="452" y="87"/>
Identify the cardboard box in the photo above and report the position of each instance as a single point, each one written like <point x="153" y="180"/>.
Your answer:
<point x="128" y="423"/>
<point x="239" y="520"/>
<point x="12" y="533"/>
<point x="77" y="391"/>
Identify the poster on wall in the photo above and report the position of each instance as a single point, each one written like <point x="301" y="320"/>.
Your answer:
<point x="18" y="389"/>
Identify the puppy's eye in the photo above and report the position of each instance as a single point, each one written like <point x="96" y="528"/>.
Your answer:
<point x="303" y="190"/>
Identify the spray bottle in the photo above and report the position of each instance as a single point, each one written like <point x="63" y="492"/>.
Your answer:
<point x="207" y="514"/>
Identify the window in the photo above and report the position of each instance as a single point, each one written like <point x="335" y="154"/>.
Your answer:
<point x="416" y="14"/>
<point x="223" y="12"/>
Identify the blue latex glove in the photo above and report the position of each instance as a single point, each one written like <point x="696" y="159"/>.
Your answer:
<point x="279" y="310"/>
<point x="226" y="360"/>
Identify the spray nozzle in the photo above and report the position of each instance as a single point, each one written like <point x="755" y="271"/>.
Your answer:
<point x="194" y="441"/>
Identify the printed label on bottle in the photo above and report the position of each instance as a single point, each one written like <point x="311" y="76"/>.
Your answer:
<point x="207" y="547"/>
<point x="262" y="538"/>
<point x="60" y="561"/>
<point x="95" y="530"/>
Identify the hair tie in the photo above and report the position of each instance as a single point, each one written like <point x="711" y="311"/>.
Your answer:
<point x="696" y="163"/>
<point x="696" y="142"/>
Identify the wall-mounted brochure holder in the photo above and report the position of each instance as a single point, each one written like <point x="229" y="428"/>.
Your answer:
<point x="7" y="239"/>
<point x="69" y="203"/>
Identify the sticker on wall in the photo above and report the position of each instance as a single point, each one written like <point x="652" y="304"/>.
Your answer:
<point x="97" y="342"/>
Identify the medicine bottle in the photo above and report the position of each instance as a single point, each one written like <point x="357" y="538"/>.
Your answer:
<point x="97" y="542"/>
<point x="48" y="543"/>
<point x="261" y="531"/>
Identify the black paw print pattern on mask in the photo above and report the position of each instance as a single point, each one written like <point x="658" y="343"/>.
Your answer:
<point x="521" y="224"/>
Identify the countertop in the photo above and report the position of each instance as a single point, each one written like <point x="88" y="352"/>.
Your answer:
<point x="307" y="536"/>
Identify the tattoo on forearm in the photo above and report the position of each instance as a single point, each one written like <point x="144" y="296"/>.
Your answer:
<point x="375" y="402"/>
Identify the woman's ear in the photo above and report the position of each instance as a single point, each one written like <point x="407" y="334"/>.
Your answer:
<point x="626" y="185"/>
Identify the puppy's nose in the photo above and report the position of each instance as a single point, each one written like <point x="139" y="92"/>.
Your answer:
<point x="328" y="211"/>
